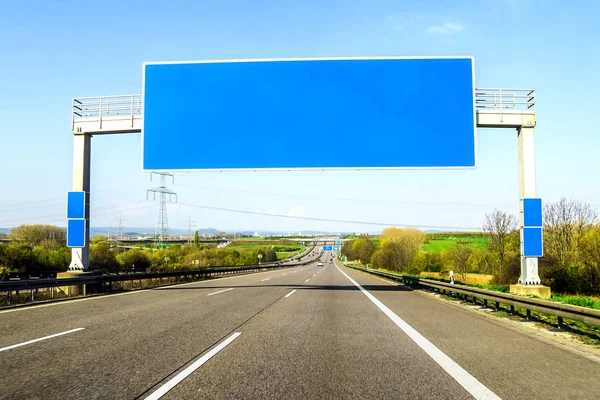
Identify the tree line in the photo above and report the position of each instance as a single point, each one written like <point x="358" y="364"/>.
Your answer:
<point x="571" y="261"/>
<point x="42" y="248"/>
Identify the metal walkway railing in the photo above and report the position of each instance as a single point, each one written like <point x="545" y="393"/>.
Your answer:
<point x="107" y="106"/>
<point x="491" y="99"/>
<point x="130" y="107"/>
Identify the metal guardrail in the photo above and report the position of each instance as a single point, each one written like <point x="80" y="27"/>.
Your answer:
<point x="560" y="310"/>
<point x="496" y="99"/>
<point x="103" y="283"/>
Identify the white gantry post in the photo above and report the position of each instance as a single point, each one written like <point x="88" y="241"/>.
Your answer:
<point x="527" y="189"/>
<point x="97" y="116"/>
<point x="515" y="108"/>
<point x="82" y="152"/>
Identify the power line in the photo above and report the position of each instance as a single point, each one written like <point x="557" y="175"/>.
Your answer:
<point x="327" y="219"/>
<point x="61" y="216"/>
<point x="62" y="203"/>
<point x="462" y="204"/>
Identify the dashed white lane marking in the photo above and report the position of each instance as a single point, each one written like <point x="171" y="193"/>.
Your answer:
<point x="466" y="380"/>
<point x="290" y="293"/>
<point x="186" y="372"/>
<point x="220" y="291"/>
<point x="266" y="279"/>
<point x="307" y="280"/>
<point x="40" y="339"/>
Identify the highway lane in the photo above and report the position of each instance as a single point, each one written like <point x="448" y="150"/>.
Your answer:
<point x="513" y="364"/>
<point x="326" y="341"/>
<point x="303" y="332"/>
<point x="130" y="342"/>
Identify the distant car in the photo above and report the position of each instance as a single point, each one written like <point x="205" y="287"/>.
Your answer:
<point x="319" y="264"/>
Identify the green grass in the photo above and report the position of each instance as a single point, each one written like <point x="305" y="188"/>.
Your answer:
<point x="581" y="301"/>
<point x="284" y="255"/>
<point x="437" y="245"/>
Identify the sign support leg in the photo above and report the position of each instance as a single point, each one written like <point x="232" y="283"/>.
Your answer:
<point x="527" y="189"/>
<point x="82" y="151"/>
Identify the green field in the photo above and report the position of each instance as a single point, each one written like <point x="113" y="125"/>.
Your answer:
<point x="258" y="243"/>
<point x="284" y="255"/>
<point x="437" y="245"/>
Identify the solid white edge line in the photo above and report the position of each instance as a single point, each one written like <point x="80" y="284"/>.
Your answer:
<point x="290" y="293"/>
<point x="40" y="339"/>
<point x="477" y="389"/>
<point x="220" y="291"/>
<point x="161" y="391"/>
<point x="266" y="279"/>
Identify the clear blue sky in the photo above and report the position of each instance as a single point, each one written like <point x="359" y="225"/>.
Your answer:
<point x="52" y="51"/>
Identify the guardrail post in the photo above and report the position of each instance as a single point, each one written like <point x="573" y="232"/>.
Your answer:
<point x="560" y="322"/>
<point x="485" y="304"/>
<point x="528" y="312"/>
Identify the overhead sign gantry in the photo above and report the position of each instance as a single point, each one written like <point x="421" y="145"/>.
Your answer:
<point x="399" y="112"/>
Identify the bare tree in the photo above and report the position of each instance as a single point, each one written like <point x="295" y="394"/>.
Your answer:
<point x="499" y="225"/>
<point x="458" y="258"/>
<point x="565" y="223"/>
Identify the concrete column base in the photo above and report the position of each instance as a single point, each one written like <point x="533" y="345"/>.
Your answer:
<point x="74" y="290"/>
<point x="537" y="290"/>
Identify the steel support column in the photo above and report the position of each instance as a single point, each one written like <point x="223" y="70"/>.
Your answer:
<point x="527" y="189"/>
<point x="82" y="152"/>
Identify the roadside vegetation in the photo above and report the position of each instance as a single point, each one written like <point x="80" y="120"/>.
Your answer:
<point x="42" y="248"/>
<point x="490" y="259"/>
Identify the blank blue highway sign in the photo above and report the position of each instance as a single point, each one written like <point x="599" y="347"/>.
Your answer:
<point x="532" y="212"/>
<point x="336" y="248"/>
<point x="76" y="233"/>
<point x="532" y="242"/>
<point x="393" y="112"/>
<point x="327" y="248"/>
<point x="339" y="242"/>
<point x="75" y="204"/>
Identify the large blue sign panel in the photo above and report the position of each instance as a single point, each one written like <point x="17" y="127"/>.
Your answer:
<point x="327" y="248"/>
<point x="391" y="112"/>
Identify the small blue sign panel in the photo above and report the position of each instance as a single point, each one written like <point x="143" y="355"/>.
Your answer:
<point x="532" y="212"/>
<point x="327" y="248"/>
<point x="532" y="242"/>
<point x="76" y="233"/>
<point x="339" y="242"/>
<point x="75" y="205"/>
<point x="336" y="248"/>
<point x="250" y="114"/>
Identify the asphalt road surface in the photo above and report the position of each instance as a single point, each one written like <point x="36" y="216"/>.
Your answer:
<point x="296" y="333"/>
